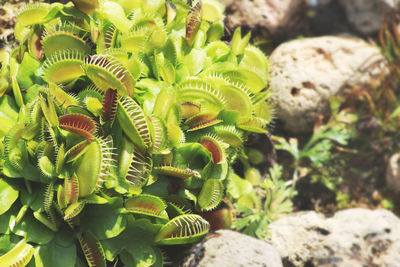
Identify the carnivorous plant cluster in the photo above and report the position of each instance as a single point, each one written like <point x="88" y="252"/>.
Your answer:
<point x="119" y="123"/>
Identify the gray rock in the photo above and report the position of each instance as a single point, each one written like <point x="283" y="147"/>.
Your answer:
<point x="267" y="17"/>
<point x="227" y="248"/>
<point x="393" y="173"/>
<point x="353" y="237"/>
<point x="329" y="17"/>
<point x="305" y="73"/>
<point x="366" y="15"/>
<point x="7" y="22"/>
<point x="8" y="16"/>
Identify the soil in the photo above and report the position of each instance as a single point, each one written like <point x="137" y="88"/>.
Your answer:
<point x="363" y="173"/>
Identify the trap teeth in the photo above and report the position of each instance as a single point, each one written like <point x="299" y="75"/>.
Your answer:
<point x="61" y="37"/>
<point x="215" y="146"/>
<point x="201" y="121"/>
<point x="107" y="72"/>
<point x="176" y="172"/>
<point x="79" y="124"/>
<point x="63" y="67"/>
<point x="193" y="20"/>
<point x="33" y="14"/>
<point x="110" y="102"/>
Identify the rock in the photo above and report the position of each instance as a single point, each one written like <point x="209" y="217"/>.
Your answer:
<point x="329" y="18"/>
<point x="353" y="237"/>
<point x="227" y="248"/>
<point x="267" y="17"/>
<point x="393" y="173"/>
<point x="7" y="22"/>
<point x="366" y="15"/>
<point x="305" y="73"/>
<point x="8" y="13"/>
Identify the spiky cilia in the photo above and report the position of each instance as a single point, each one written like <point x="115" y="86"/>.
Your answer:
<point x="19" y="255"/>
<point x="79" y="124"/>
<point x="110" y="103"/>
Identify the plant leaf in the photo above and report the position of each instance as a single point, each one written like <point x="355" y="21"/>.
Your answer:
<point x="53" y="254"/>
<point x="93" y="250"/>
<point x="184" y="229"/>
<point x="33" y="230"/>
<point x="238" y="186"/>
<point x="19" y="255"/>
<point x="8" y="195"/>
<point x="106" y="220"/>
<point x="210" y="195"/>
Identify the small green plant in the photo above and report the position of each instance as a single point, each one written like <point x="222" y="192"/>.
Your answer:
<point x="375" y="129"/>
<point x="119" y="124"/>
<point x="272" y="201"/>
<point x="317" y="159"/>
<point x="389" y="39"/>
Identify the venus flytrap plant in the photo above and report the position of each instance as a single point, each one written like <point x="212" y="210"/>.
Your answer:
<point x="122" y="119"/>
<point x="20" y="255"/>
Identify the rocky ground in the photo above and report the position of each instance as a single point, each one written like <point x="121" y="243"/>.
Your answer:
<point x="8" y="11"/>
<point x="351" y="238"/>
<point x="334" y="55"/>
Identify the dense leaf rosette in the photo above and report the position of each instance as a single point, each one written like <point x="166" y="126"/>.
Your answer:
<point x="119" y="119"/>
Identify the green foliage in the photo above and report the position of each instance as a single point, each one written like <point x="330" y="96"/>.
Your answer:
<point x="8" y="195"/>
<point x="19" y="255"/>
<point x="257" y="213"/>
<point x="118" y="119"/>
<point x="389" y="38"/>
<point x="316" y="157"/>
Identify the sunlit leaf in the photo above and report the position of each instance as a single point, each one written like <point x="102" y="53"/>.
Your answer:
<point x="8" y="195"/>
